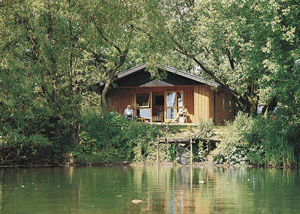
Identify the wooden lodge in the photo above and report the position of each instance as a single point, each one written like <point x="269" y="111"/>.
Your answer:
<point x="158" y="100"/>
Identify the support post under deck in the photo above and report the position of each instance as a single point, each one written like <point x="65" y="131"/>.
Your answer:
<point x="157" y="155"/>
<point x="191" y="150"/>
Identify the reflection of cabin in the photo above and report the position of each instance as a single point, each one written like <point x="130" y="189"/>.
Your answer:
<point x="160" y="100"/>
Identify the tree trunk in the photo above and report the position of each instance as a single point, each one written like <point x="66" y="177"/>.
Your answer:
<point x="110" y="80"/>
<point x="247" y="103"/>
<point x="122" y="58"/>
<point x="270" y="106"/>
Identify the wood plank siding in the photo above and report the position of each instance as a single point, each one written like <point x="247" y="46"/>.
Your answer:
<point x="202" y="101"/>
<point x="224" y="111"/>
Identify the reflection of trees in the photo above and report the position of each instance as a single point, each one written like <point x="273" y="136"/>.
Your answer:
<point x="186" y="195"/>
<point x="1" y="191"/>
<point x="161" y="189"/>
<point x="275" y="190"/>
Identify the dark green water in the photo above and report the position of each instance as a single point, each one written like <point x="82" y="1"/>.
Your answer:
<point x="157" y="189"/>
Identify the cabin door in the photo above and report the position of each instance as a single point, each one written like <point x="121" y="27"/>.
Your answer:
<point x="173" y="104"/>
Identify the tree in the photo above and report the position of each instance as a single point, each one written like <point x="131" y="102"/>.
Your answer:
<point x="51" y="51"/>
<point x="242" y="45"/>
<point x="114" y="25"/>
<point x="41" y="48"/>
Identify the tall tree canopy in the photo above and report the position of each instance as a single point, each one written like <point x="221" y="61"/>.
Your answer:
<point x="245" y="46"/>
<point x="50" y="52"/>
<point x="41" y="47"/>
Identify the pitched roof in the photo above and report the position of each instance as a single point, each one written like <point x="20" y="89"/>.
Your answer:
<point x="167" y="68"/>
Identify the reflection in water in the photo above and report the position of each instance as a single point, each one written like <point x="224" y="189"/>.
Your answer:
<point x="149" y="189"/>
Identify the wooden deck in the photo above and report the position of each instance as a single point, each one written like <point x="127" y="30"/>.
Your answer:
<point x="185" y="140"/>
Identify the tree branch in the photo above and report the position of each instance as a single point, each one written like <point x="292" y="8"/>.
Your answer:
<point x="108" y="40"/>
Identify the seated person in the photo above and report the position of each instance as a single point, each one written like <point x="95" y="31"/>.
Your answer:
<point x="128" y="113"/>
<point x="182" y="113"/>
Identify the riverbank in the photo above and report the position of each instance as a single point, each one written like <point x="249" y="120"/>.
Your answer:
<point x="245" y="142"/>
<point x="176" y="131"/>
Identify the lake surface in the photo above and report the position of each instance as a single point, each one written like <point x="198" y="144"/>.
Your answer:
<point x="149" y="189"/>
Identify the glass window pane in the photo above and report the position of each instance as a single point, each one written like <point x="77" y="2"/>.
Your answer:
<point x="170" y="98"/>
<point x="170" y="113"/>
<point x="145" y="113"/>
<point x="142" y="100"/>
<point x="180" y="99"/>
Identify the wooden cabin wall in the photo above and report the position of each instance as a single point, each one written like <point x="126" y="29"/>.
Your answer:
<point x="223" y="113"/>
<point x="119" y="98"/>
<point x="201" y="101"/>
<point x="204" y="103"/>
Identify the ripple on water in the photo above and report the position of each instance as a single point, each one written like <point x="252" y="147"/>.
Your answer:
<point x="154" y="189"/>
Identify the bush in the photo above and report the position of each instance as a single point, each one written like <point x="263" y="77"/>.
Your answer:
<point x="261" y="141"/>
<point x="277" y="142"/>
<point x="205" y="129"/>
<point x="31" y="132"/>
<point x="202" y="148"/>
<point x="18" y="149"/>
<point x="111" y="138"/>
<point x="234" y="146"/>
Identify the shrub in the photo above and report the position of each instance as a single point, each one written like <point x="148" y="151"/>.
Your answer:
<point x="261" y="141"/>
<point x="234" y="146"/>
<point x="111" y="138"/>
<point x="279" y="140"/>
<point x="204" y="130"/>
<point x="18" y="149"/>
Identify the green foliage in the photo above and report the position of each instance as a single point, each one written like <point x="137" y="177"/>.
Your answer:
<point x="51" y="51"/>
<point x="19" y="149"/>
<point x="276" y="139"/>
<point x="112" y="138"/>
<point x="248" y="47"/>
<point x="261" y="141"/>
<point x="204" y="130"/>
<point x="30" y="132"/>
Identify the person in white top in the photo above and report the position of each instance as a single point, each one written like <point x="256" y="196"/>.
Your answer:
<point x="182" y="113"/>
<point x="128" y="112"/>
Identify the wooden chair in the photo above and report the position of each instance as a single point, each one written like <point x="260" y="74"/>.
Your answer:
<point x="182" y="118"/>
<point x="158" y="118"/>
<point x="140" y="119"/>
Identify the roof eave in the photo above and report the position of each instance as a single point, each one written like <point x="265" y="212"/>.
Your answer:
<point x="167" y="68"/>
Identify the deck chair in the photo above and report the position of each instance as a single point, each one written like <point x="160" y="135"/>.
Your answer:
<point x="159" y="117"/>
<point x="183" y="117"/>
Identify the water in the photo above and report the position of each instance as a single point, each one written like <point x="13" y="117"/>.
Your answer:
<point x="149" y="189"/>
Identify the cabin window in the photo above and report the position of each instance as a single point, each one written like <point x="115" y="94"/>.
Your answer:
<point x="223" y="103"/>
<point x="142" y="105"/>
<point x="142" y="100"/>
<point x="174" y="103"/>
<point x="229" y="104"/>
<point x="180" y="98"/>
<point x="171" y="99"/>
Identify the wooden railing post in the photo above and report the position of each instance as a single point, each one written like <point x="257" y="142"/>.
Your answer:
<point x="157" y="155"/>
<point x="191" y="147"/>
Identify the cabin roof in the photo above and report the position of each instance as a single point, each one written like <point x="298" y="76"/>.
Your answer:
<point x="143" y="66"/>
